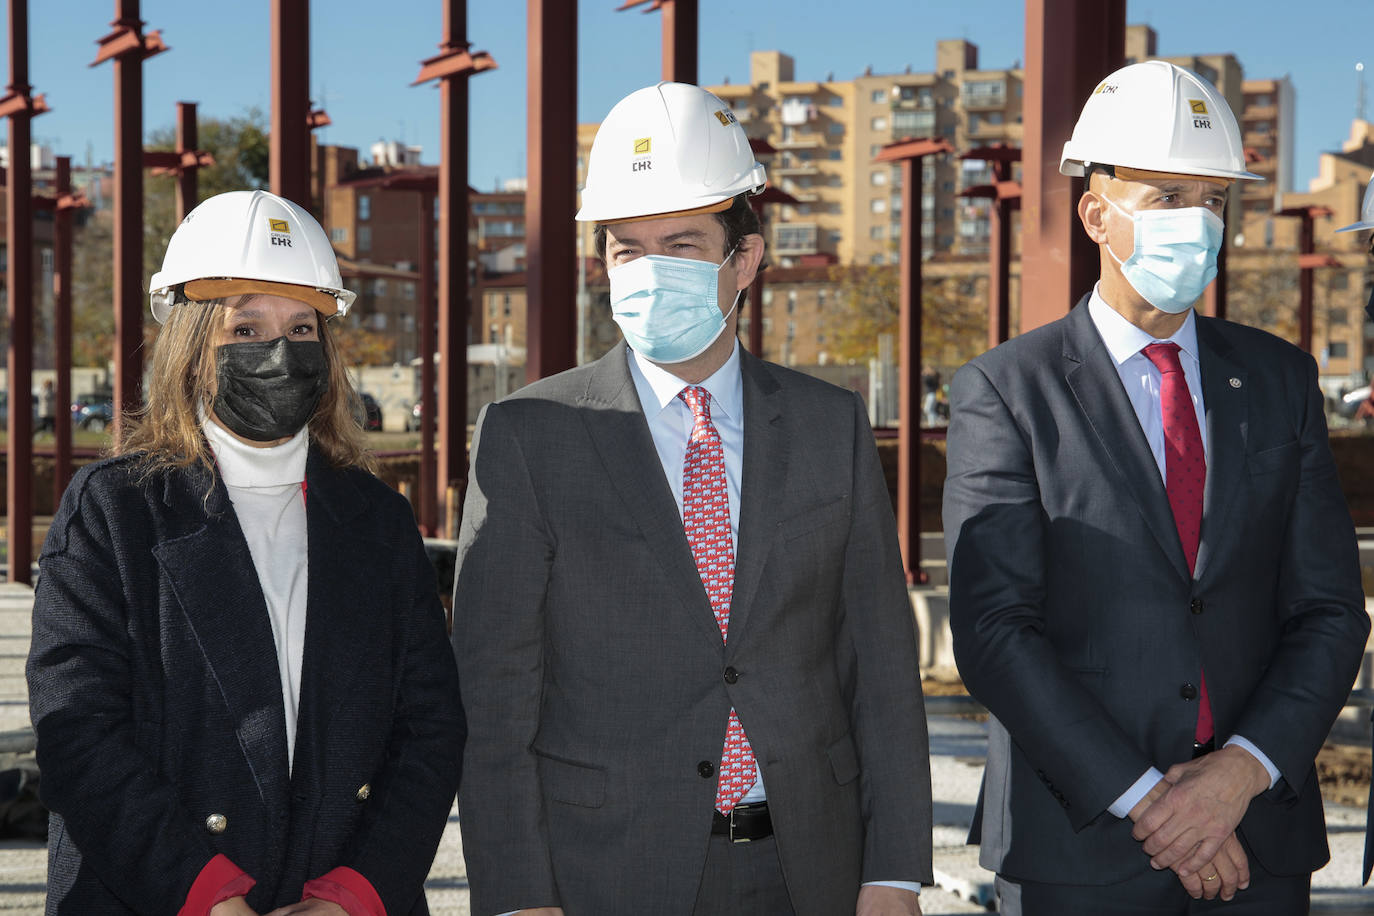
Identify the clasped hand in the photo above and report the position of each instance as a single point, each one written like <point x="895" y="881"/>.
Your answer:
<point x="1188" y="821"/>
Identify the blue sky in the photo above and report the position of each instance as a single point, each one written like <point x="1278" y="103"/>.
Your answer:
<point x="362" y="61"/>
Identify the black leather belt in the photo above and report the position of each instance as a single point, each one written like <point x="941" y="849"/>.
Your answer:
<point x="1203" y="748"/>
<point x="744" y="823"/>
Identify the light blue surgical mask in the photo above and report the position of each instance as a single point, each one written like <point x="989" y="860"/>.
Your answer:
<point x="1175" y="255"/>
<point x="666" y="307"/>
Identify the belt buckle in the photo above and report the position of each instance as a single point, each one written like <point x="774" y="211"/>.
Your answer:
<point x="732" y="828"/>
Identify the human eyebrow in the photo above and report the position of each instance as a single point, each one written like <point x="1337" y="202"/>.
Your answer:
<point x="692" y="235"/>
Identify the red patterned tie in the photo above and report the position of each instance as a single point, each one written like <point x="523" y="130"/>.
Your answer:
<point x="706" y="518"/>
<point x="1185" y="475"/>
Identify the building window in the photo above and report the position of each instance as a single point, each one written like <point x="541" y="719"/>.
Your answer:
<point x="505" y="304"/>
<point x="379" y="288"/>
<point x="879" y="123"/>
<point x="339" y="234"/>
<point x="877" y="178"/>
<point x="836" y="130"/>
<point x="494" y="334"/>
<point x="791" y="301"/>
<point x="1339" y="317"/>
<point x="877" y="233"/>
<point x="913" y="122"/>
<point x="836" y="155"/>
<point x="364" y="238"/>
<point x="879" y="96"/>
<point x="1338" y="349"/>
<point x="985" y="93"/>
<point x="364" y="206"/>
<point x="877" y="205"/>
<point x="1340" y="280"/>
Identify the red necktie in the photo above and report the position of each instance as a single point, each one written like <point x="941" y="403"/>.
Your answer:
<point x="706" y="518"/>
<point x="1185" y="475"/>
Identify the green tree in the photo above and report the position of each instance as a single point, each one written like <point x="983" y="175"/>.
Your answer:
<point x="953" y="316"/>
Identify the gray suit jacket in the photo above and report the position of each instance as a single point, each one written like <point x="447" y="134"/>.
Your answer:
<point x="593" y="666"/>
<point x="1076" y="621"/>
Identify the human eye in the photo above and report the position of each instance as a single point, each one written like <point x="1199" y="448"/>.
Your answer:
<point x="303" y="329"/>
<point x="244" y="330"/>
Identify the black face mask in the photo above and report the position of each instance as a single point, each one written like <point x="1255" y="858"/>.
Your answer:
<point x="268" y="390"/>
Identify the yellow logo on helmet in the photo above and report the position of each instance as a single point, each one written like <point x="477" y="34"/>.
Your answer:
<point x="1198" y="106"/>
<point x="642" y="146"/>
<point x="726" y="117"/>
<point x="278" y="225"/>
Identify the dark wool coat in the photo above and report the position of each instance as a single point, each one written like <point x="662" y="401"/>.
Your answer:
<point x="156" y="698"/>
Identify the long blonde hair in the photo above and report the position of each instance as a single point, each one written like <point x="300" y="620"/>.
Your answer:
<point x="166" y="429"/>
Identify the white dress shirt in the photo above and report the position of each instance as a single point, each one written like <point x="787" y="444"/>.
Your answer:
<point x="265" y="487"/>
<point x="1142" y="382"/>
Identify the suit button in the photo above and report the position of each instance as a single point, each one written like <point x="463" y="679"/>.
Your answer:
<point x="706" y="769"/>
<point x="1195" y="605"/>
<point x="731" y="675"/>
<point x="1188" y="692"/>
<point x="216" y="824"/>
<point x="364" y="792"/>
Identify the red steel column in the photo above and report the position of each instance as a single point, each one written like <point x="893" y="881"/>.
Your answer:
<point x="128" y="220"/>
<point x="453" y="263"/>
<point x="62" y="331"/>
<point x="290" y="141"/>
<point x="19" y="238"/>
<point x="909" y="382"/>
<point x="1306" y="244"/>
<point x="187" y="141"/>
<point x="1070" y="46"/>
<point x="551" y="195"/>
<point x="756" y="294"/>
<point x="910" y="153"/>
<point x="428" y="498"/>
<point x="680" y="43"/>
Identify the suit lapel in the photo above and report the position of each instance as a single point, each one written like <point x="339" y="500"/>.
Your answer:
<point x="1224" y="392"/>
<point x="212" y="574"/>
<point x="1093" y="378"/>
<point x="763" y="479"/>
<point x="615" y="421"/>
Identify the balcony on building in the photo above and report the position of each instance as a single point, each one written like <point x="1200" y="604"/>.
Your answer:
<point x="979" y="94"/>
<point x="795" y="239"/>
<point x="790" y="163"/>
<point x="913" y="122"/>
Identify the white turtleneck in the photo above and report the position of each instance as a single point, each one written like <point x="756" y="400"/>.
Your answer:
<point x="265" y="486"/>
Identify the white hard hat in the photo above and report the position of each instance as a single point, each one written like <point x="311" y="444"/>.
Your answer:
<point x="1157" y="117"/>
<point x="249" y="242"/>
<point x="1366" y="211"/>
<point x="671" y="149"/>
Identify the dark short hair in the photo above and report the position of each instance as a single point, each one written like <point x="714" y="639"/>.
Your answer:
<point x="738" y="221"/>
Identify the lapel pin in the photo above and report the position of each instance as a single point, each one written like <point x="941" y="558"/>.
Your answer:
<point x="1235" y="382"/>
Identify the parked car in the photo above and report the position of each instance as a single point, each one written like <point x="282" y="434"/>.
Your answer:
<point x="93" y="412"/>
<point x="371" y="419"/>
<point x="1351" y="402"/>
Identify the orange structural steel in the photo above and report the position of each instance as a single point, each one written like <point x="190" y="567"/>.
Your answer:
<point x="910" y="153"/>
<point x="452" y="67"/>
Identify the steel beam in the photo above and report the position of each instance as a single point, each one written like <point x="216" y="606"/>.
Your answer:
<point x="1070" y="46"/>
<point x="680" y="42"/>
<point x="452" y="67"/>
<point x="187" y="141"/>
<point x="1307" y="217"/>
<point x="19" y="309"/>
<point x="290" y="140"/>
<point x="910" y="153"/>
<point x="427" y="496"/>
<point x="62" y="329"/>
<point x="551" y="192"/>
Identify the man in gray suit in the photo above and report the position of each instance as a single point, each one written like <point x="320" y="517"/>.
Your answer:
<point x="687" y="650"/>
<point x="1153" y="580"/>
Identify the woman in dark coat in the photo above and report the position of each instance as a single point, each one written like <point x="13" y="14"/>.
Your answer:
<point x="244" y="699"/>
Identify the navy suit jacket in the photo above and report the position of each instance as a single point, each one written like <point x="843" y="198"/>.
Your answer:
<point x="1074" y="616"/>
<point x="157" y="702"/>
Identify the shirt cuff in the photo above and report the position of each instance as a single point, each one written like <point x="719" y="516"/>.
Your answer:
<point x="1258" y="754"/>
<point x="913" y="886"/>
<point x="217" y="882"/>
<point x="348" y="889"/>
<point x="1138" y="790"/>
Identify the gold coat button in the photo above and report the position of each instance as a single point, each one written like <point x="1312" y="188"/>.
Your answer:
<point x="217" y="824"/>
<point x="364" y="792"/>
